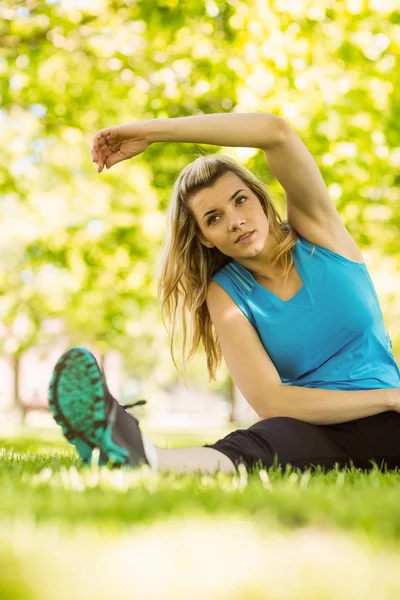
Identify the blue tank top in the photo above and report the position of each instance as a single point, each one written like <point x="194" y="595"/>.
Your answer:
<point x="331" y="333"/>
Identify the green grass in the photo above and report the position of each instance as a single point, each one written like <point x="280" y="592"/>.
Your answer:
<point x="55" y="514"/>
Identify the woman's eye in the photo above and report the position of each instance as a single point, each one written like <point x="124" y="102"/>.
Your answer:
<point x="210" y="220"/>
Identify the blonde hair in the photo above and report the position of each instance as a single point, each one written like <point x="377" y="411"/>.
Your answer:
<point x="186" y="265"/>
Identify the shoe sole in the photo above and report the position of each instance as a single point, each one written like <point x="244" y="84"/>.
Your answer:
<point x="77" y="400"/>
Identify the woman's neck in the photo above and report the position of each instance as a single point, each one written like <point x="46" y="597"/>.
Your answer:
<point x="261" y="267"/>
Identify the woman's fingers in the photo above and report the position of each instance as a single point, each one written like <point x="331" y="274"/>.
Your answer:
<point x="100" y="150"/>
<point x="97" y="159"/>
<point x="106" y="148"/>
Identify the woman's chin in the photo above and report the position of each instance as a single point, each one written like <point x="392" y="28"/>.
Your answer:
<point x="252" y="249"/>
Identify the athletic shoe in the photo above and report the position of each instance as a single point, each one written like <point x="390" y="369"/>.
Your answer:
<point x="90" y="417"/>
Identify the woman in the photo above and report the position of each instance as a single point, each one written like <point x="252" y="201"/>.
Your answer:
<point x="290" y="304"/>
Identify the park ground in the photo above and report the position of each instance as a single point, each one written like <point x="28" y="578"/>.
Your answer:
<point x="69" y="531"/>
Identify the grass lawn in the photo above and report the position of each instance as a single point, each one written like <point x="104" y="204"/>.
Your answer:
<point x="70" y="532"/>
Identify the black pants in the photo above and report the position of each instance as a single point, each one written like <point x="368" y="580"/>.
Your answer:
<point x="283" y="440"/>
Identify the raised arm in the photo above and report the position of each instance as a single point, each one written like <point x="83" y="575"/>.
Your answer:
<point x="248" y="130"/>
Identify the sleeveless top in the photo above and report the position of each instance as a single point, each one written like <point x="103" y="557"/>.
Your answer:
<point x="331" y="334"/>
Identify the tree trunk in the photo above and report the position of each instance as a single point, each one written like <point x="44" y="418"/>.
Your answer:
<point x="232" y="400"/>
<point x="16" y="362"/>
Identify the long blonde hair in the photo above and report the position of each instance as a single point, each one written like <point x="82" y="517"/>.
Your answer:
<point x="186" y="265"/>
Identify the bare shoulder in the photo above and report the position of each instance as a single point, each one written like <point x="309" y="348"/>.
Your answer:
<point x="213" y="290"/>
<point x="219" y="302"/>
<point x="216" y="293"/>
<point x="331" y="234"/>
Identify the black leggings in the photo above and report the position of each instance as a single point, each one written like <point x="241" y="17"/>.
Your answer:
<point x="284" y="440"/>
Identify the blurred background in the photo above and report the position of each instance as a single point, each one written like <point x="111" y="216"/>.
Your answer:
<point x="79" y="250"/>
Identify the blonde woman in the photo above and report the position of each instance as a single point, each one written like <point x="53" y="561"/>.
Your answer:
<point x="289" y="304"/>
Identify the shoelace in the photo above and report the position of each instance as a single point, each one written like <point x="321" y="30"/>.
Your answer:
<point x="113" y="404"/>
<point x="137" y="403"/>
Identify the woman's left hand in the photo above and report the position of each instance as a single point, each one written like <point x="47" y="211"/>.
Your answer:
<point x="111" y="146"/>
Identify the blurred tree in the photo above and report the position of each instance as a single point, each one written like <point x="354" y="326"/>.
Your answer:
<point x="88" y="244"/>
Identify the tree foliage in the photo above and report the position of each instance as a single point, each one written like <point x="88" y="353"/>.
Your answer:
<point x="84" y="247"/>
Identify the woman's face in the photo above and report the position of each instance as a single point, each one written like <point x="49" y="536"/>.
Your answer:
<point x="227" y="210"/>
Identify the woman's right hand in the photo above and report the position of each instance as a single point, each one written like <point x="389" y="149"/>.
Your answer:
<point x="111" y="146"/>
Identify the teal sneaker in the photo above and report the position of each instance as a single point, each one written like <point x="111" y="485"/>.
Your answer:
<point x="90" y="417"/>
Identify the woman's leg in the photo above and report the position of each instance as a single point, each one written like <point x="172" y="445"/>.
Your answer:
<point x="279" y="441"/>
<point x="290" y="441"/>
<point x="284" y="440"/>
<point x="90" y="417"/>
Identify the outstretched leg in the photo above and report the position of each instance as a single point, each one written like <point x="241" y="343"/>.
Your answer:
<point x="90" y="417"/>
<point x="285" y="441"/>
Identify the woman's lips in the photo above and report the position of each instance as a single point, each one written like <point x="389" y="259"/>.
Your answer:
<point x="246" y="239"/>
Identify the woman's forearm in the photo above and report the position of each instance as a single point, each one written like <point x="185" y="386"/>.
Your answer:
<point x="325" y="407"/>
<point x="250" y="130"/>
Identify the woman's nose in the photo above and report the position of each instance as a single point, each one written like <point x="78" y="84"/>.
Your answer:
<point x="234" y="218"/>
<point x="235" y="223"/>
